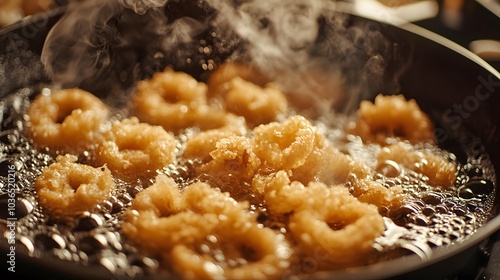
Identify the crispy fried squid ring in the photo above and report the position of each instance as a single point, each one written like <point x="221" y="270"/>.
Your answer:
<point x="65" y="120"/>
<point x="66" y="187"/>
<point x="246" y="92"/>
<point x="393" y="116"/>
<point x="158" y="219"/>
<point x="248" y="252"/>
<point x="218" y="81"/>
<point x="281" y="194"/>
<point x="258" y="105"/>
<point x="179" y="226"/>
<point x="233" y="157"/>
<point x="135" y="149"/>
<point x="372" y="192"/>
<point x="329" y="219"/>
<point x="329" y="165"/>
<point x="242" y="248"/>
<point x="169" y="99"/>
<point x="215" y="124"/>
<point x="441" y="172"/>
<point x="297" y="145"/>
<point x="232" y="167"/>
<point x="346" y="229"/>
<point x="284" y="145"/>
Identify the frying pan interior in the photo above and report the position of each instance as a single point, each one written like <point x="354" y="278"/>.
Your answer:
<point x="451" y="84"/>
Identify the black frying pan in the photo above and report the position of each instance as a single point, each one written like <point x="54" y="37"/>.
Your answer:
<point x="436" y="72"/>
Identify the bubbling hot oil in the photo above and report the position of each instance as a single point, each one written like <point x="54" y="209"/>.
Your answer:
<point x="430" y="217"/>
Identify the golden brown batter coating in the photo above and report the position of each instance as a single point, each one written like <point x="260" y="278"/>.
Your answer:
<point x="393" y="116"/>
<point x="170" y="99"/>
<point x="133" y="149"/>
<point x="157" y="212"/>
<point x="250" y="252"/>
<point x="372" y="192"/>
<point x="284" y="145"/>
<point x="329" y="165"/>
<point x="258" y="105"/>
<point x="217" y="84"/>
<point x="215" y="124"/>
<point x="329" y="219"/>
<point x="244" y="91"/>
<point x="233" y="157"/>
<point x="240" y="155"/>
<point x="178" y="225"/>
<point x="232" y="167"/>
<point x="68" y="188"/>
<point x="296" y="145"/>
<point x="440" y="171"/>
<point x="281" y="194"/>
<point x="66" y="120"/>
<point x="345" y="230"/>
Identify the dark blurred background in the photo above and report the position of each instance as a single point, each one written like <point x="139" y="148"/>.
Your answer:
<point x="474" y="24"/>
<point x="466" y="22"/>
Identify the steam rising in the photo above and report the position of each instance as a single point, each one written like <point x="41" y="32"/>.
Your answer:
<point x="304" y="45"/>
<point x="100" y="44"/>
<point x="142" y="6"/>
<point x="281" y="41"/>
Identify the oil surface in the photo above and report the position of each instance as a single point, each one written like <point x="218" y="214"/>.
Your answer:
<point x="430" y="218"/>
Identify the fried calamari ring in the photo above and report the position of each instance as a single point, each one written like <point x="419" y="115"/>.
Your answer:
<point x="393" y="116"/>
<point x="246" y="92"/>
<point x="233" y="156"/>
<point x="258" y="105"/>
<point x="284" y="145"/>
<point x="131" y="148"/>
<point x="65" y="120"/>
<point x="372" y="192"/>
<point x="346" y="229"/>
<point x="281" y="194"/>
<point x="329" y="165"/>
<point x="201" y="198"/>
<point x="158" y="220"/>
<point x="176" y="225"/>
<point x="215" y="124"/>
<point x="232" y="167"/>
<point x="329" y="219"/>
<point x="217" y="83"/>
<point x="248" y="252"/>
<point x="202" y="144"/>
<point x="297" y="145"/>
<point x="66" y="187"/>
<point x="441" y="172"/>
<point x="169" y="99"/>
